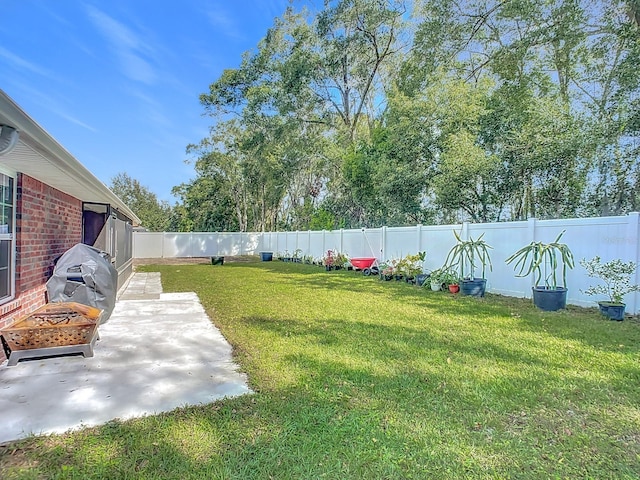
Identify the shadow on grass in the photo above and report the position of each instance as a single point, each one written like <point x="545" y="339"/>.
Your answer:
<point x="346" y="421"/>
<point x="585" y="325"/>
<point x="413" y="384"/>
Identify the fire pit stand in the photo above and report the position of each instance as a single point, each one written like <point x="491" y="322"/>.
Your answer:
<point x="54" y="329"/>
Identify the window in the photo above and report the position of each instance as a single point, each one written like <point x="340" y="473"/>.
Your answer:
<point x="7" y="236"/>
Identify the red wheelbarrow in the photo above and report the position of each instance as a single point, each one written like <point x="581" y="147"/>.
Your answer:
<point x="366" y="264"/>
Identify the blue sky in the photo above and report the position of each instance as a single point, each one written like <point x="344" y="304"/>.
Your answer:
<point x="117" y="82"/>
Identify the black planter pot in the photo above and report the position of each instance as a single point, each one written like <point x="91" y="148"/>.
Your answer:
<point x="549" y="299"/>
<point x="266" y="256"/>
<point x="328" y="268"/>
<point x="398" y="278"/>
<point x="217" y="260"/>
<point x="420" y="278"/>
<point x="613" y="311"/>
<point x="475" y="287"/>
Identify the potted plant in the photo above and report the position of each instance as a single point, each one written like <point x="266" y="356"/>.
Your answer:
<point x="411" y="267"/>
<point x="398" y="266"/>
<point x="452" y="280"/>
<point x="436" y="279"/>
<point x="538" y="258"/>
<point x="340" y="260"/>
<point x="443" y="278"/>
<point x="386" y="271"/>
<point x="465" y="257"/>
<point x="266" y="256"/>
<point x="328" y="260"/>
<point x="616" y="277"/>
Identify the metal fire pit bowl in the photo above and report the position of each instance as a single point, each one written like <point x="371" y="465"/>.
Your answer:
<point x="53" y="329"/>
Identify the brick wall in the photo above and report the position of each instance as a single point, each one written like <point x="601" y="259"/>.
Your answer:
<point x="48" y="222"/>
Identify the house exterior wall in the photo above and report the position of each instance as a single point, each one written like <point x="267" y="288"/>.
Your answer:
<point x="48" y="223"/>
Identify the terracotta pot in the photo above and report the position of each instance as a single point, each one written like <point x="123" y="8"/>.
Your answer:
<point x="454" y="288"/>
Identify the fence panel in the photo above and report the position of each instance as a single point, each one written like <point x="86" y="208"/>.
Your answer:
<point x="177" y="245"/>
<point x="250" y="243"/>
<point x="607" y="237"/>
<point x="504" y="241"/>
<point x="204" y="244"/>
<point x="147" y="245"/>
<point x="436" y="241"/>
<point x="400" y="241"/>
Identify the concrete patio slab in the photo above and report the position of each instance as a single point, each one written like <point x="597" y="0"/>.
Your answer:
<point x="157" y="352"/>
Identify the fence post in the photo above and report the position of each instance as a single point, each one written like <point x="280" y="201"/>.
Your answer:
<point x="633" y="229"/>
<point x="532" y="234"/>
<point x="383" y="243"/>
<point x="324" y="241"/>
<point x="464" y="231"/>
<point x="418" y="237"/>
<point x="342" y="240"/>
<point x="162" y="235"/>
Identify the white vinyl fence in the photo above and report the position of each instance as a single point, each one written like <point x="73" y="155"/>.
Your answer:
<point x="608" y="237"/>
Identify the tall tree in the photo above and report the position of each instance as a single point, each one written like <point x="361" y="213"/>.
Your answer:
<point x="154" y="214"/>
<point x="368" y="112"/>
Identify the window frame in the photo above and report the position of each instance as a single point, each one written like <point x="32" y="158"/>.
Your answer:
<point x="12" y="236"/>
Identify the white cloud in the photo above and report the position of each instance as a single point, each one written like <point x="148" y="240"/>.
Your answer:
<point x="54" y="104"/>
<point x="272" y="8"/>
<point x="72" y="119"/>
<point x="221" y="21"/>
<point x="23" y="64"/>
<point x="130" y="49"/>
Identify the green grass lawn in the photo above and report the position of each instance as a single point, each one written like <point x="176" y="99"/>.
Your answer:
<point x="357" y="378"/>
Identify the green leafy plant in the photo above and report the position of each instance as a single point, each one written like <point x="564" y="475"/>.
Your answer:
<point x="467" y="255"/>
<point x="616" y="277"/>
<point x="444" y="276"/>
<point x="340" y="260"/>
<point x="386" y="269"/>
<point x="394" y="266"/>
<point x="411" y="265"/>
<point x="538" y="257"/>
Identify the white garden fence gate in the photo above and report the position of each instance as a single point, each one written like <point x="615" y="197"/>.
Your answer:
<point x="608" y="237"/>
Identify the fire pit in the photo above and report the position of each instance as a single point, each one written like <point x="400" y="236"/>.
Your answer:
<point x="54" y="329"/>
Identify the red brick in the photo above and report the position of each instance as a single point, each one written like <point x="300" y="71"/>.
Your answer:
<point x="50" y="224"/>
